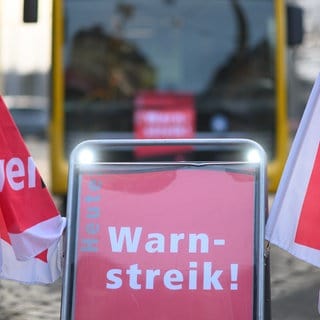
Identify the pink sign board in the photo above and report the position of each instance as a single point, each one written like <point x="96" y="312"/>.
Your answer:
<point x="165" y="244"/>
<point x="166" y="116"/>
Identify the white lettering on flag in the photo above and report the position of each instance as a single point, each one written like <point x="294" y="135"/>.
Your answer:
<point x="15" y="173"/>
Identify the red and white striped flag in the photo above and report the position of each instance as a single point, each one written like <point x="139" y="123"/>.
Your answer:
<point x="30" y="226"/>
<point x="294" y="221"/>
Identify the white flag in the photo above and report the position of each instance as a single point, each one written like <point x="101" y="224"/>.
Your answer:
<point x="294" y="221"/>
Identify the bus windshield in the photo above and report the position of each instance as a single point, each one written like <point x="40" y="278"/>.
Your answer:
<point x="221" y="52"/>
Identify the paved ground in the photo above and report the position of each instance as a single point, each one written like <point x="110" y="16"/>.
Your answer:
<point x="295" y="288"/>
<point x="294" y="284"/>
<point x="21" y="302"/>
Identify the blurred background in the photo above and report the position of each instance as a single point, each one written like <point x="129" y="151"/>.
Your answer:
<point x="25" y="64"/>
<point x="25" y="61"/>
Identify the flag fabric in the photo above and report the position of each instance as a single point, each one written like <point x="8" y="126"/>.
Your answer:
<point x="294" y="220"/>
<point x="31" y="227"/>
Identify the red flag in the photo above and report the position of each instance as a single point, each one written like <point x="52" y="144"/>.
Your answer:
<point x="294" y="219"/>
<point x="30" y="224"/>
<point x="306" y="233"/>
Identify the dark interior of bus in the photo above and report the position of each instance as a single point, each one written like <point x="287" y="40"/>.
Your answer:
<point x="220" y="52"/>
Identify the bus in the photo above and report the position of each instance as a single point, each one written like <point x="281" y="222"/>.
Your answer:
<point x="170" y="68"/>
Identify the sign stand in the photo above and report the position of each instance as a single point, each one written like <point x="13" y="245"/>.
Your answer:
<point x="166" y="239"/>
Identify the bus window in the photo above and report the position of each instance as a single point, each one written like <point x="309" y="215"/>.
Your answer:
<point x="223" y="53"/>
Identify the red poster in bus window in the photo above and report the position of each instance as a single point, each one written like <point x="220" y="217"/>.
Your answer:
<point x="163" y="116"/>
<point x="171" y="244"/>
